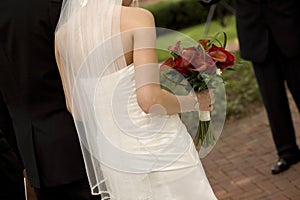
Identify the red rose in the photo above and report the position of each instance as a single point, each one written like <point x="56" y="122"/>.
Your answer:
<point x="222" y="57"/>
<point x="176" y="65"/>
<point x="204" y="44"/>
<point x="182" y="66"/>
<point x="169" y="63"/>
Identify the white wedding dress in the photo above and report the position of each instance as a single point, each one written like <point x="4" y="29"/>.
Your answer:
<point x="180" y="178"/>
<point x="128" y="154"/>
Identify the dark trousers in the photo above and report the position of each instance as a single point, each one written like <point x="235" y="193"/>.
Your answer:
<point x="11" y="176"/>
<point x="271" y="75"/>
<point x="11" y="166"/>
<point x="78" y="190"/>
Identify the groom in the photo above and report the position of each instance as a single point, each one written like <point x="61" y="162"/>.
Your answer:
<point x="31" y="86"/>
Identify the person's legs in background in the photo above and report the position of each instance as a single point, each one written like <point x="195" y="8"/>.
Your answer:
<point x="293" y="78"/>
<point x="271" y="76"/>
<point x="11" y="166"/>
<point x="11" y="173"/>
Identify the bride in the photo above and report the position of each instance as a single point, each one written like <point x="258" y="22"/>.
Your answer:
<point x="134" y="144"/>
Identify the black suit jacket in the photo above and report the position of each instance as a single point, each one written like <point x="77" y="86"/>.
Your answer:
<point x="257" y="19"/>
<point x="33" y="94"/>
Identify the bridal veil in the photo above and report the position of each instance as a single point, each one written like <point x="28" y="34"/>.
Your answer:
<point x="88" y="43"/>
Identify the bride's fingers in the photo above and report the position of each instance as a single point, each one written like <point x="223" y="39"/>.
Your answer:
<point x="206" y="108"/>
<point x="212" y="96"/>
<point x="205" y="105"/>
<point x="211" y="107"/>
<point x="206" y="100"/>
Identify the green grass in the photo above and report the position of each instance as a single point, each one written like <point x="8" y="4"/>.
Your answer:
<point x="195" y="33"/>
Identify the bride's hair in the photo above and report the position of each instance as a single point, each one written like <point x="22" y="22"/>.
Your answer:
<point x="132" y="3"/>
<point x="135" y="3"/>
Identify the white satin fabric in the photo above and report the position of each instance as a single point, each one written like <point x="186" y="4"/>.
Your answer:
<point x="180" y="178"/>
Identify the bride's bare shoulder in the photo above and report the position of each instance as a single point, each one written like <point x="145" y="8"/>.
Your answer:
<point x="132" y="17"/>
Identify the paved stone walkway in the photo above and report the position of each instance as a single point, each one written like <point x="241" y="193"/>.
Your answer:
<point x="239" y="165"/>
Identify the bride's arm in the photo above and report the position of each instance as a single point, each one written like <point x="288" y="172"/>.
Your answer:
<point x="150" y="96"/>
<point x="57" y="57"/>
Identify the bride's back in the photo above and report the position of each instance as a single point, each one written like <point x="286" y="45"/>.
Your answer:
<point x="83" y="35"/>
<point x="134" y="27"/>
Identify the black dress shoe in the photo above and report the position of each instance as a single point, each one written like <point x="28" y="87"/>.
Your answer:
<point x="280" y="166"/>
<point x="283" y="164"/>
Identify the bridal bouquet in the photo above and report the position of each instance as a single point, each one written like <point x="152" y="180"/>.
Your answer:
<point x="199" y="65"/>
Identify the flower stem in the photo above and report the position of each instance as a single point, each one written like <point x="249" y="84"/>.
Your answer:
<point x="205" y="136"/>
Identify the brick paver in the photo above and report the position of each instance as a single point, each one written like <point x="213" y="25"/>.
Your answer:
<point x="239" y="165"/>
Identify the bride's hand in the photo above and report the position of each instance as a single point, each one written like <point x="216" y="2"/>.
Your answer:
<point x="206" y="100"/>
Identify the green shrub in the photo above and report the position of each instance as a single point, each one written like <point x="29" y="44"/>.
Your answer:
<point x="178" y="14"/>
<point x="242" y="90"/>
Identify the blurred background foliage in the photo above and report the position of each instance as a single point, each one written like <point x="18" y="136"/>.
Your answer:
<point x="179" y="14"/>
<point x="243" y="97"/>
